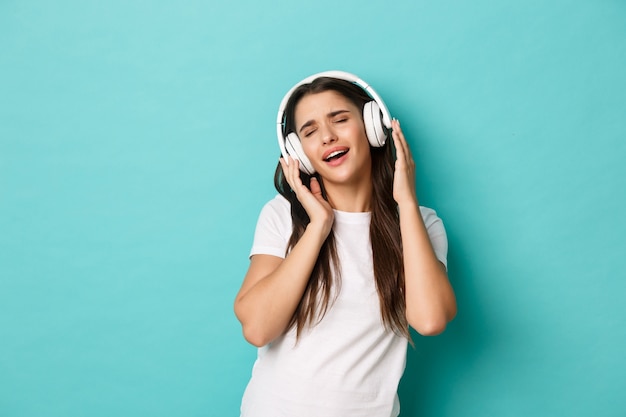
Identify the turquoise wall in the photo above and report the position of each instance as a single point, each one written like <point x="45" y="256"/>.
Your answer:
<point x="137" y="146"/>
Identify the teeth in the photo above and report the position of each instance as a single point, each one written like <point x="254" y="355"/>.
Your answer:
<point x="332" y="155"/>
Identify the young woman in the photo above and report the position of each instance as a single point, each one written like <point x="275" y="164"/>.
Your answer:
<point x="344" y="259"/>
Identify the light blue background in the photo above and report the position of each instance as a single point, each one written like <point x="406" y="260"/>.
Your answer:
<point x="137" y="147"/>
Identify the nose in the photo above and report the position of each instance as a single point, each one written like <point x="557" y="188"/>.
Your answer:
<point x="328" y="134"/>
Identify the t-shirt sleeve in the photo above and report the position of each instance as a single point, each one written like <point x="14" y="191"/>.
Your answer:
<point x="273" y="229"/>
<point x="437" y="234"/>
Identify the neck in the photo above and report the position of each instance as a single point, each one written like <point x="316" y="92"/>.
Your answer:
<point x="355" y="198"/>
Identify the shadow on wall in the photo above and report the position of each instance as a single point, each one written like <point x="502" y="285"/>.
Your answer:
<point x="426" y="388"/>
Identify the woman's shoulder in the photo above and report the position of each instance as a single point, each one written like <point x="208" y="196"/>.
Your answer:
<point x="273" y="228"/>
<point x="429" y="216"/>
<point x="278" y="203"/>
<point x="427" y="211"/>
<point x="277" y="211"/>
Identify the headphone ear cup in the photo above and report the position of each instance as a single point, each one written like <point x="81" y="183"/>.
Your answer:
<point x="294" y="149"/>
<point x="374" y="128"/>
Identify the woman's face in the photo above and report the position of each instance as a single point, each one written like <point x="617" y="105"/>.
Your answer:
<point x="332" y="133"/>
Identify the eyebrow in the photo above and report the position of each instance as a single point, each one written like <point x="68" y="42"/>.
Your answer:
<point x="330" y="115"/>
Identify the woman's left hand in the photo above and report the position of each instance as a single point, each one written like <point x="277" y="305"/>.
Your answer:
<point x="404" y="175"/>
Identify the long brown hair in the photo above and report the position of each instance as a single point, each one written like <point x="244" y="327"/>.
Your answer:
<point x="384" y="227"/>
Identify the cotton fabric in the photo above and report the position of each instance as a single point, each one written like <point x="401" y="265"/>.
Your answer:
<point x="348" y="364"/>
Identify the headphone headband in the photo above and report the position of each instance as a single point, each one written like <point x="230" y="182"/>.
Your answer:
<point x="341" y="75"/>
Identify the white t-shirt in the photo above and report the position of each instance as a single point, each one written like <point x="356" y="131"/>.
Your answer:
<point x="348" y="365"/>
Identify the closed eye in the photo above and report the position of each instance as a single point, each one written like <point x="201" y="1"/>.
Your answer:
<point x="339" y="116"/>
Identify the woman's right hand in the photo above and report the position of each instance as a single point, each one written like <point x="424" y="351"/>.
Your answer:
<point x="319" y="210"/>
<point x="274" y="286"/>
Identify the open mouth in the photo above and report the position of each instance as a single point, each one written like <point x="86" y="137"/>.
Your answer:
<point x="336" y="155"/>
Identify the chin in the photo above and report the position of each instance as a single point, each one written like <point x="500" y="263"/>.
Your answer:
<point x="343" y="178"/>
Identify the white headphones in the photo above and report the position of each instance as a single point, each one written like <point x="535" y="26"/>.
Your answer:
<point x="375" y="116"/>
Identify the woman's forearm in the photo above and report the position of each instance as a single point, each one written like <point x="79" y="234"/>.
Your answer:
<point x="265" y="307"/>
